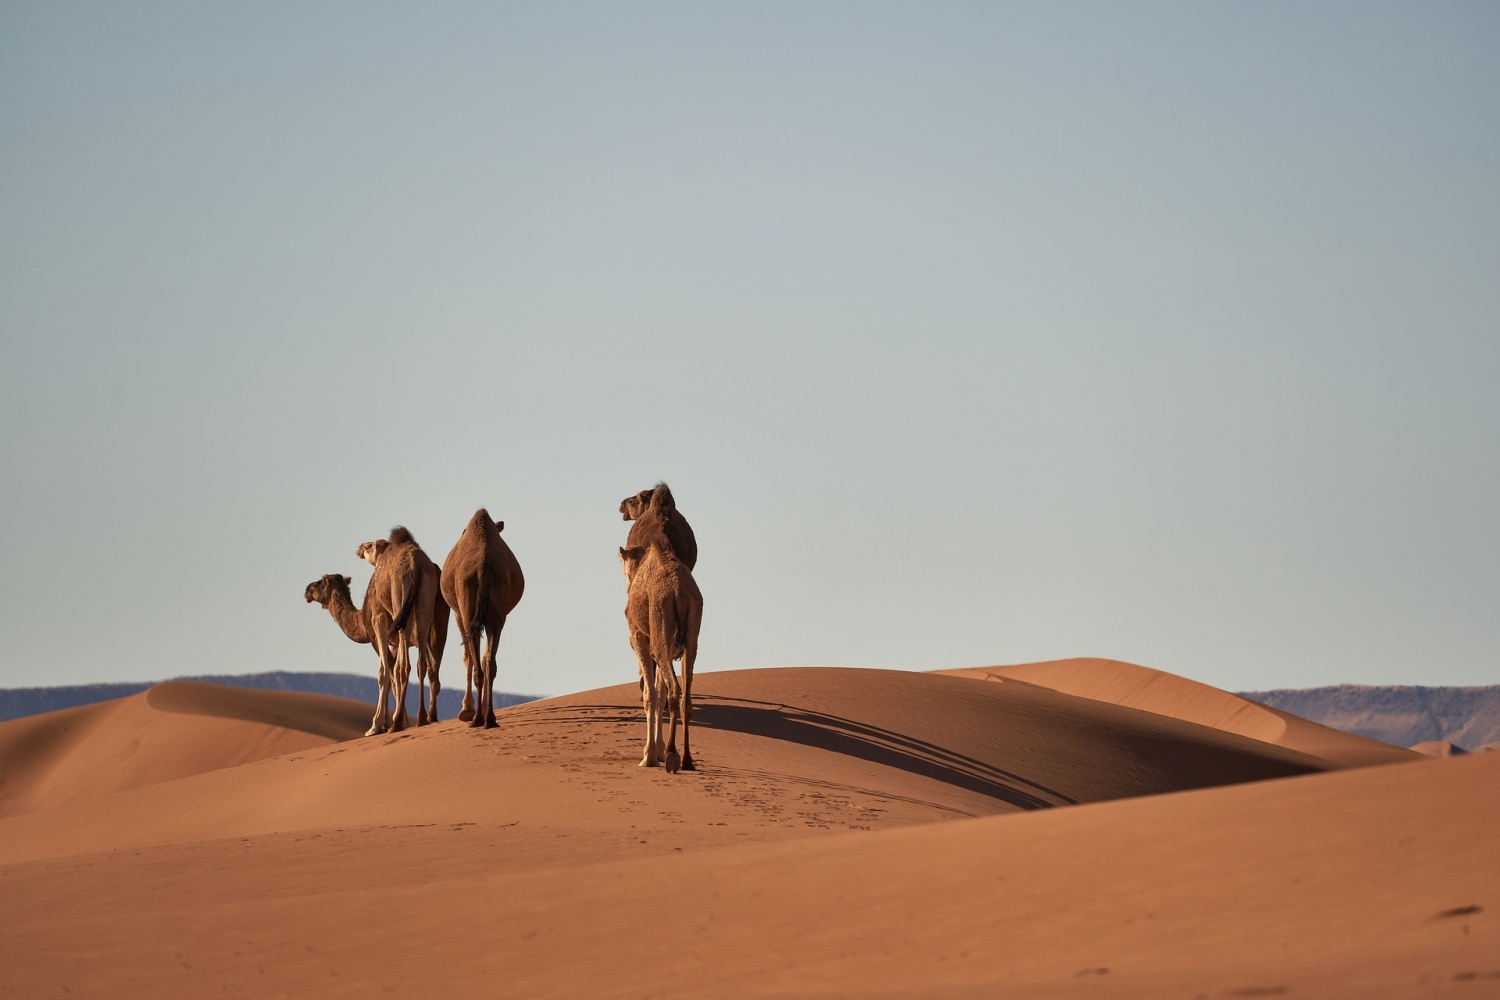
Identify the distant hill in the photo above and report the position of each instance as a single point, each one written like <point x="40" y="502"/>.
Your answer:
<point x="17" y="703"/>
<point x="1467" y="717"/>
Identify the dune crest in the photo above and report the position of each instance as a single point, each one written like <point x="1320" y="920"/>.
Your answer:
<point x="1133" y="686"/>
<point x="173" y="730"/>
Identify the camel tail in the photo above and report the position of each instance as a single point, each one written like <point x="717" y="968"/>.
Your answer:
<point x="399" y="622"/>
<point x="477" y="622"/>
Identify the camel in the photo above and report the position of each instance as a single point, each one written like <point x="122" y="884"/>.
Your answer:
<point x="679" y="533"/>
<point x="664" y="610"/>
<point x="400" y="618"/>
<point x="482" y="581"/>
<point x="437" y="634"/>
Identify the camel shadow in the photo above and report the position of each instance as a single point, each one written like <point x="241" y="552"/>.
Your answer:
<point x="879" y="746"/>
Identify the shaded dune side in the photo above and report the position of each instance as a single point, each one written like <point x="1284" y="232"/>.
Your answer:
<point x="1156" y="691"/>
<point x="327" y="716"/>
<point x="1025" y="746"/>
<point x="173" y="730"/>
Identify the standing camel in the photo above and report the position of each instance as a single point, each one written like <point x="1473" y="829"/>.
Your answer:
<point x="429" y="660"/>
<point x="482" y="581"/>
<point x="656" y="510"/>
<point x="399" y="619"/>
<point x="332" y="592"/>
<point x="664" y="610"/>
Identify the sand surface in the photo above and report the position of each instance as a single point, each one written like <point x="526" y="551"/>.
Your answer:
<point x="1149" y="690"/>
<point x="848" y="833"/>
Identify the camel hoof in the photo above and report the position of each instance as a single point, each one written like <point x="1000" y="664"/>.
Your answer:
<point x="475" y="723"/>
<point x="688" y="765"/>
<point x="466" y="715"/>
<point x="374" y="731"/>
<point x="647" y="762"/>
<point x="674" y="762"/>
<point x="490" y="723"/>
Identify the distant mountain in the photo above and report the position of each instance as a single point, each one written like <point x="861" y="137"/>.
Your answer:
<point x="1467" y="717"/>
<point x="17" y="703"/>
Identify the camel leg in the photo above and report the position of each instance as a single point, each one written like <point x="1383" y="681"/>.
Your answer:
<point x="377" y="721"/>
<point x="650" y="702"/>
<point x="403" y="676"/>
<point x="421" y="689"/>
<point x="437" y="641"/>
<point x="466" y="710"/>
<point x="670" y="695"/>
<point x="432" y="683"/>
<point x="689" y="655"/>
<point x="491" y="644"/>
<point x="470" y="710"/>
<point x="427" y="675"/>
<point x="381" y="722"/>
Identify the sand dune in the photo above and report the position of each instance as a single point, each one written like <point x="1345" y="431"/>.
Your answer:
<point x="1439" y="748"/>
<point x="1133" y="686"/>
<point x="175" y="729"/>
<point x="787" y="749"/>
<point x="849" y="833"/>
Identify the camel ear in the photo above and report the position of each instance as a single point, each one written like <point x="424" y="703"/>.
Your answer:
<point x="347" y="580"/>
<point x="499" y="526"/>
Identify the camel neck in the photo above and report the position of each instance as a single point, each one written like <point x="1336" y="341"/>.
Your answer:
<point x="351" y="619"/>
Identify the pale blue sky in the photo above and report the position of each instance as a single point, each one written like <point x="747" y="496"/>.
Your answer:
<point x="965" y="333"/>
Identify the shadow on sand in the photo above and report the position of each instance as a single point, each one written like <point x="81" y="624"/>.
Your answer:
<point x="871" y="743"/>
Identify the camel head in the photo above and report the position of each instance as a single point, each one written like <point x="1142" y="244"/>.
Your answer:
<point x="634" y="506"/>
<point x="323" y="590"/>
<point x="370" y="551"/>
<point x="630" y="561"/>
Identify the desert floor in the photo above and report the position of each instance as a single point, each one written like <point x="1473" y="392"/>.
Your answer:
<point x="1082" y="828"/>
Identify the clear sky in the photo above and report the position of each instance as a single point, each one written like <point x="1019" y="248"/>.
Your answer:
<point x="965" y="333"/>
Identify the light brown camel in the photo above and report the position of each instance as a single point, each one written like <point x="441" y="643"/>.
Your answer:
<point x="664" y="610"/>
<point x="482" y="581"/>
<point x="437" y="634"/>
<point x="400" y="617"/>
<point x="668" y="519"/>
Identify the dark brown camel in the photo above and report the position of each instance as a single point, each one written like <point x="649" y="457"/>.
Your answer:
<point x="664" y="517"/>
<point x="482" y="581"/>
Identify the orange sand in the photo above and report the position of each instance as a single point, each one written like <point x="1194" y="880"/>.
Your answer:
<point x="849" y="833"/>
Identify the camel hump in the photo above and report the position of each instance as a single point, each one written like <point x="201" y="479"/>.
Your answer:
<point x="400" y="536"/>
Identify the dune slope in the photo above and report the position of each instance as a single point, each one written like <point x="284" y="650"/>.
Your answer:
<point x="849" y="833"/>
<point x="1128" y="684"/>
<point x="174" y="729"/>
<point x="781" y="750"/>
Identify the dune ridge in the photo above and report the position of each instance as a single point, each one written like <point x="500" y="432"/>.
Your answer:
<point x="173" y="730"/>
<point x="1156" y="691"/>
